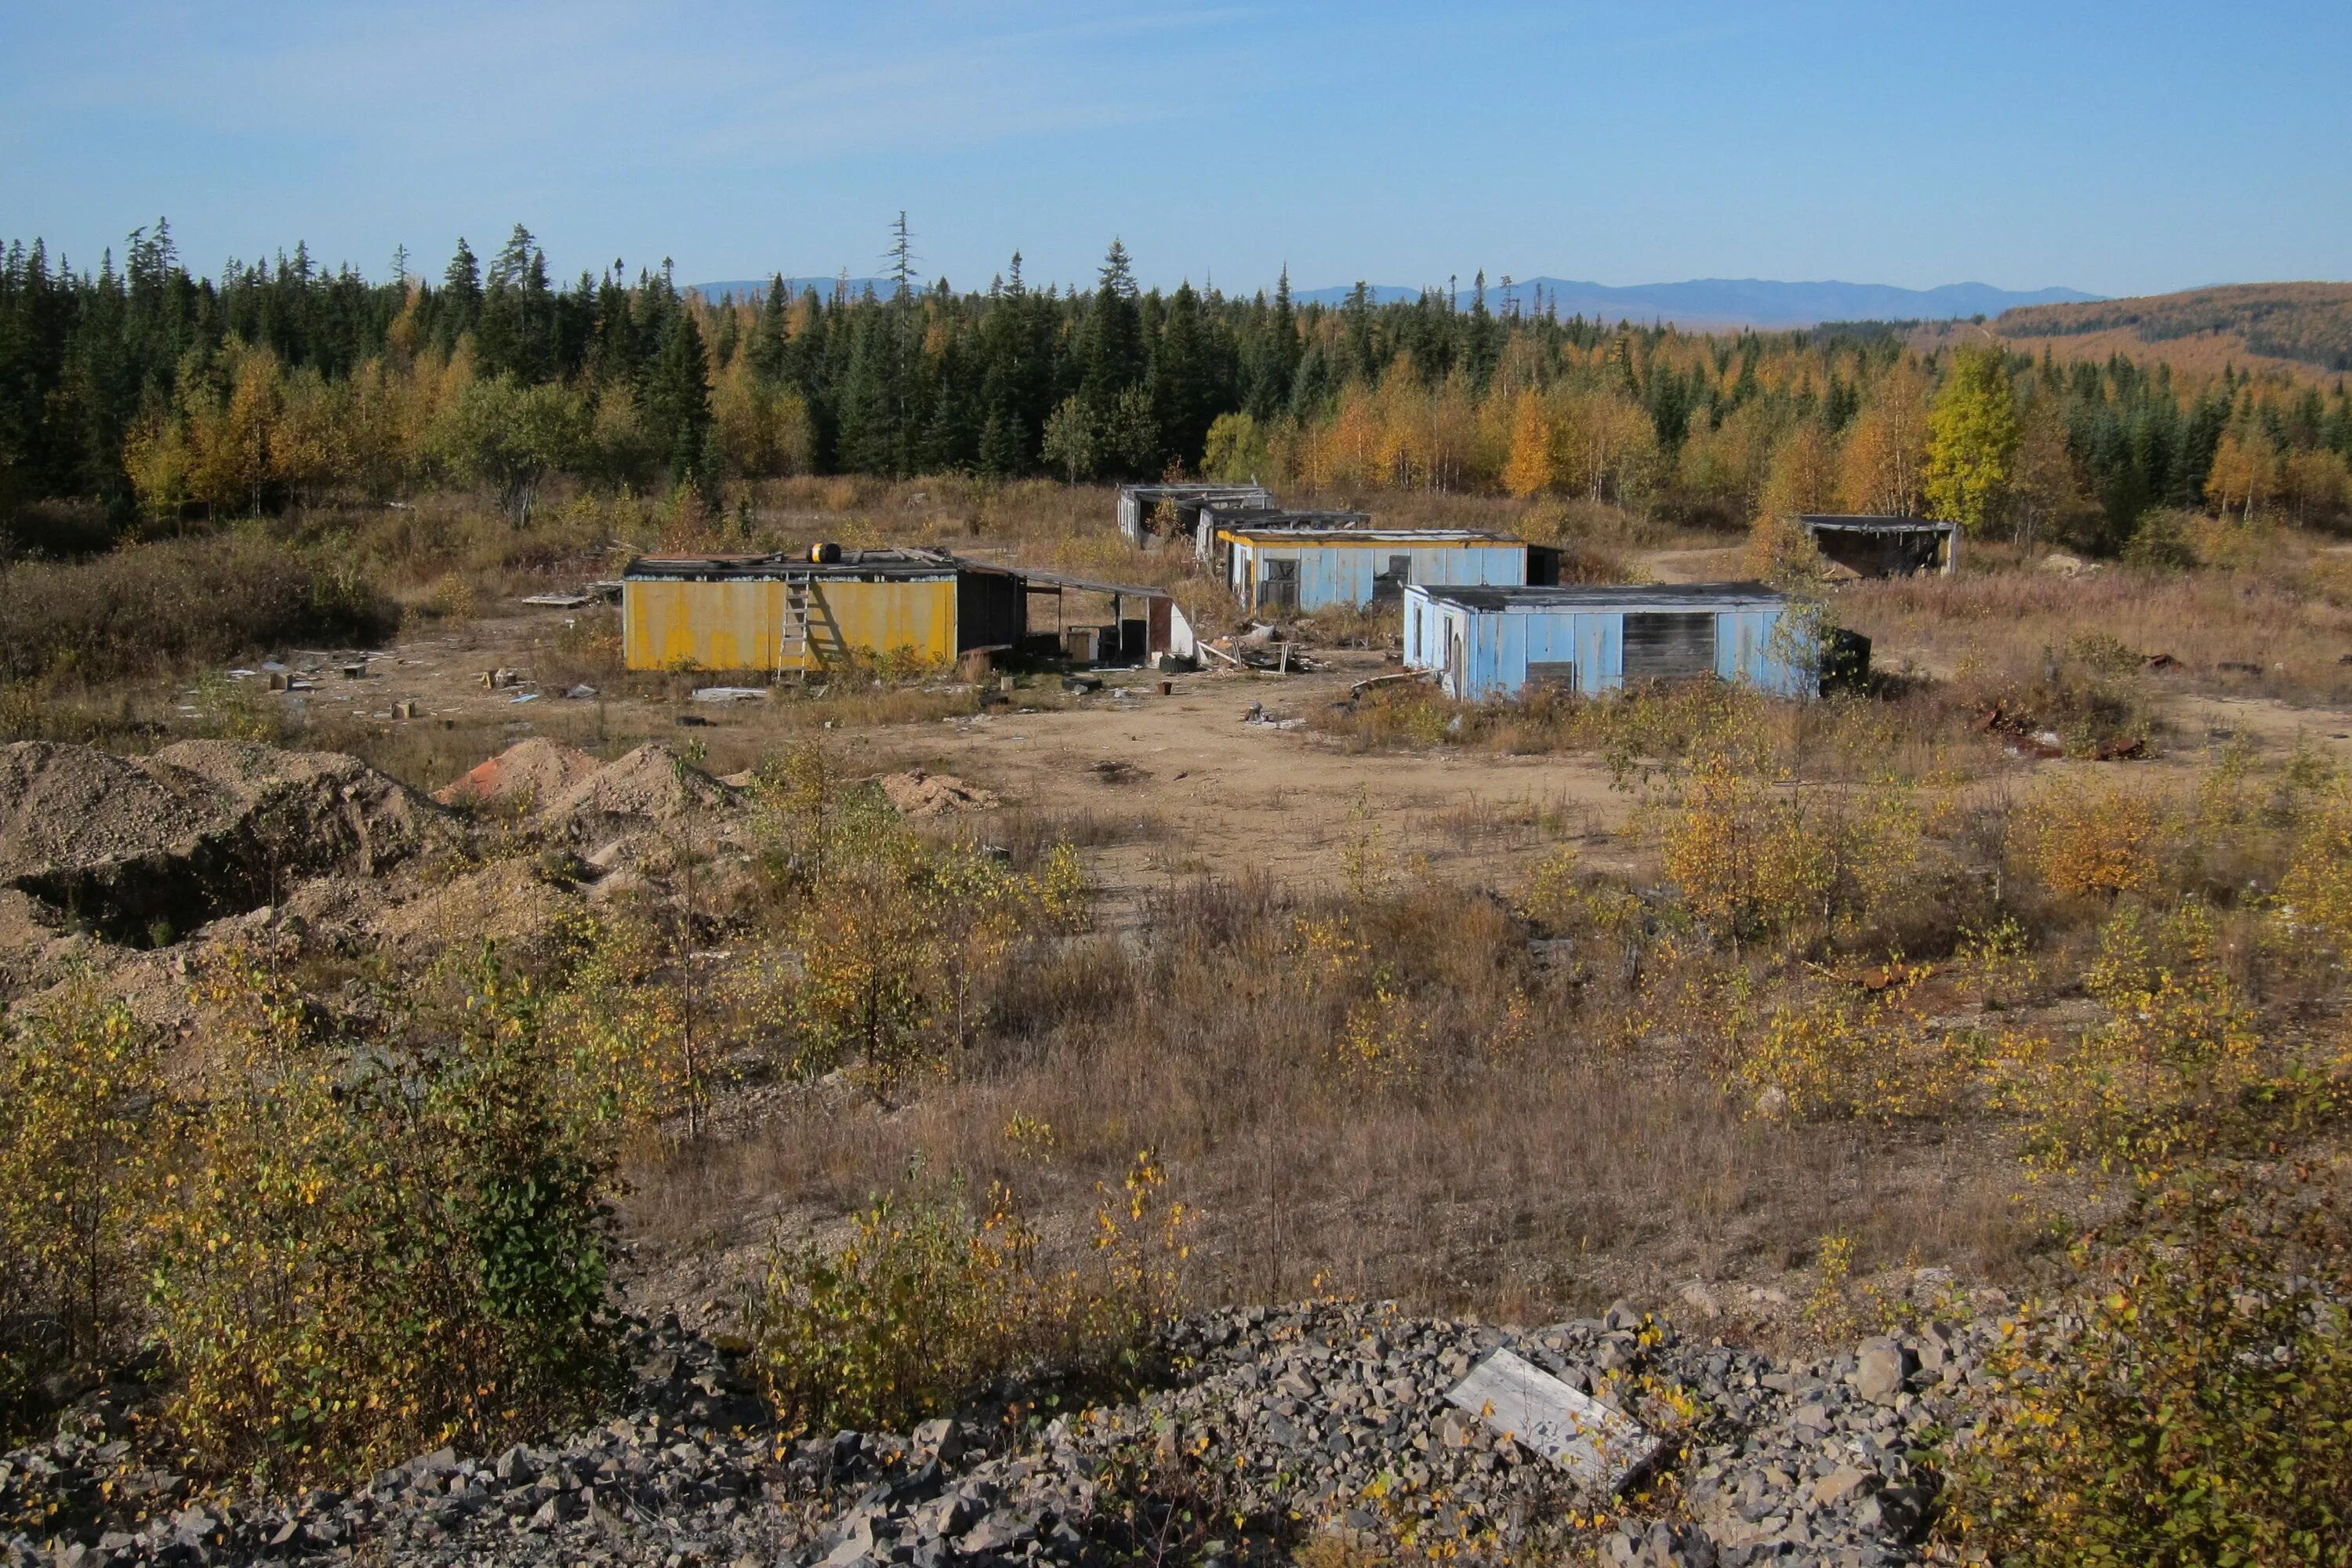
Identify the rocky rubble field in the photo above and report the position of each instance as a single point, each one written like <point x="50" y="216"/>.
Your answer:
<point x="1272" y="1426"/>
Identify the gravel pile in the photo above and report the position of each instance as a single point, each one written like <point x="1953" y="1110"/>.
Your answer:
<point x="529" y="773"/>
<point x="144" y="849"/>
<point x="1326" y="1419"/>
<point x="651" y="782"/>
<point x="916" y="793"/>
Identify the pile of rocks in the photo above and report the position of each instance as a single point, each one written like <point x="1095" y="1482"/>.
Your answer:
<point x="1274" y="1423"/>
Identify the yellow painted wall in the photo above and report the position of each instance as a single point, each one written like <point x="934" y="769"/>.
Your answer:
<point x="734" y="625"/>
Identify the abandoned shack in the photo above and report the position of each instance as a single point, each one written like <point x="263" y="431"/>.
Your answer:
<point x="1302" y="569"/>
<point x="780" y="613"/>
<point x="1883" y="546"/>
<point x="1214" y="555"/>
<point x="1144" y="523"/>
<point x="1489" y="642"/>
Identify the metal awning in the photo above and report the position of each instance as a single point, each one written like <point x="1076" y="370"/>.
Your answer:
<point x="1055" y="581"/>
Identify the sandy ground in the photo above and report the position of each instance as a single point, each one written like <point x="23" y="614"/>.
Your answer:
<point x="1206" y="791"/>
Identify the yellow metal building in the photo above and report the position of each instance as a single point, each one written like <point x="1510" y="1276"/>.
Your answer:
<point x="776" y="613"/>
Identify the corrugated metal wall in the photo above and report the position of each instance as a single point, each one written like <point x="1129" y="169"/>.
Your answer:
<point x="1499" y="645"/>
<point x="736" y="624"/>
<point x="1333" y="574"/>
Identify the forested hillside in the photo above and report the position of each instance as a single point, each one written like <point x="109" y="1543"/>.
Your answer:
<point x="2308" y="322"/>
<point x="146" y="396"/>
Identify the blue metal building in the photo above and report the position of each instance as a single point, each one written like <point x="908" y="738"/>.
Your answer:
<point x="1500" y="642"/>
<point x="1284" y="569"/>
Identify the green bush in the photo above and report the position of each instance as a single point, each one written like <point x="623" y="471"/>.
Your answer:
<point x="2195" y="1408"/>
<point x="368" y="1258"/>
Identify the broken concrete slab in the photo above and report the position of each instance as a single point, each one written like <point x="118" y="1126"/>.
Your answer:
<point x="1601" y="1447"/>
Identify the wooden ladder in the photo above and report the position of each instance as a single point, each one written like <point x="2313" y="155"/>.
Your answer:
<point x="792" y="636"/>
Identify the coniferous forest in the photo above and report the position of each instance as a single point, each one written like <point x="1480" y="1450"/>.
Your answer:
<point x="144" y="396"/>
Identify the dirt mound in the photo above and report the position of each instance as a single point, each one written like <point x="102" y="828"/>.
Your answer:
<point x="144" y="849"/>
<point x="652" y="781"/>
<point x="529" y="774"/>
<point x="73" y="805"/>
<point x="919" y="793"/>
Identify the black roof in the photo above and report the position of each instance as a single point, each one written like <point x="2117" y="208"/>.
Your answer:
<point x="1636" y="596"/>
<point x="1864" y="524"/>
<point x="911" y="564"/>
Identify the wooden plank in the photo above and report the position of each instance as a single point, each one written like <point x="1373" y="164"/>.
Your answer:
<point x="1601" y="1447"/>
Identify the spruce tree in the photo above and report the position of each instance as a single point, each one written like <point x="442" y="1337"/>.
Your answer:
<point x="461" y="296"/>
<point x="678" y="398"/>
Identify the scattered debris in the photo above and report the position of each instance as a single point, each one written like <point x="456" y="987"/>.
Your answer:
<point x="523" y="696"/>
<point x="2159" y="661"/>
<point x="1079" y="685"/>
<point x="582" y="692"/>
<point x="1602" y="1448"/>
<point x="1360" y="686"/>
<point x="1258" y="716"/>
<point x="1116" y="773"/>
<point x="916" y="793"/>
<point x="730" y="694"/>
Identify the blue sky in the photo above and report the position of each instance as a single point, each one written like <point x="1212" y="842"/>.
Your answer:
<point x="2117" y="147"/>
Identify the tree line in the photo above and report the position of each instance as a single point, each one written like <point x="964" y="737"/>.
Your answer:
<point x="155" y="394"/>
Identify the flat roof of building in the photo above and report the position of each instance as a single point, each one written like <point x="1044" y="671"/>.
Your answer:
<point x="909" y="564"/>
<point x="1864" y="524"/>
<point x="1285" y="517"/>
<point x="1365" y="536"/>
<point x="1189" y="488"/>
<point x="1637" y="596"/>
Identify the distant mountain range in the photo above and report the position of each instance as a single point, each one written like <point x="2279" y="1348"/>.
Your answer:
<point x="757" y="288"/>
<point x="1700" y="303"/>
<point x="1744" y="301"/>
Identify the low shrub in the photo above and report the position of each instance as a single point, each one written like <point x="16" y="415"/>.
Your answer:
<point x="933" y="1299"/>
<point x="149" y="609"/>
<point x="79" y="1165"/>
<point x="367" y="1256"/>
<point x="2189" y="1407"/>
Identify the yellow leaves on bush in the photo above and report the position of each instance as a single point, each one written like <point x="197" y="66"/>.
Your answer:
<point x="368" y="1257"/>
<point x="931" y="1300"/>
<point x="629" y="1053"/>
<point x="2086" y="840"/>
<point x="1752" y="858"/>
<point x="2164" y="1071"/>
<point x="2314" y="896"/>
<point x="2188" y="1406"/>
<point x="1382" y="1043"/>
<point x="79" y="1171"/>
<point x="1840" y="1053"/>
<point x="894" y="942"/>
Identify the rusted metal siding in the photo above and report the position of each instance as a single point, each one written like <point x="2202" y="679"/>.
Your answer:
<point x="742" y="624"/>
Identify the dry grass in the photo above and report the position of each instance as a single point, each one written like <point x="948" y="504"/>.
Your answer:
<point x="2288" y="618"/>
<point x="1520" y="1162"/>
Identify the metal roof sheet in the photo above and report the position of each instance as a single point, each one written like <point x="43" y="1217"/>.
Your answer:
<point x="1631" y="597"/>
<point x="1865" y="523"/>
<point x="1366" y="535"/>
<point x="911" y="563"/>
